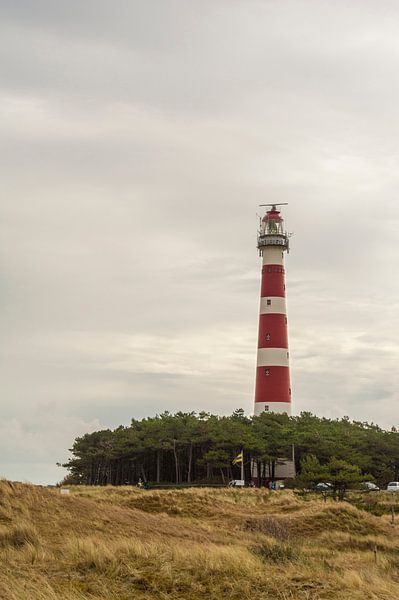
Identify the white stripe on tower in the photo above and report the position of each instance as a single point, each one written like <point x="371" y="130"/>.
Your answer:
<point x="273" y="305"/>
<point x="273" y="357"/>
<point x="274" y="256"/>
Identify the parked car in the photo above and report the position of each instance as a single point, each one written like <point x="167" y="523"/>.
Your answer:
<point x="237" y="483"/>
<point x="393" y="486"/>
<point x="324" y="487"/>
<point x="369" y="486"/>
<point x="276" y="485"/>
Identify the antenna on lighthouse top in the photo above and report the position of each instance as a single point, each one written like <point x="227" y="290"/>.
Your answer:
<point x="274" y="205"/>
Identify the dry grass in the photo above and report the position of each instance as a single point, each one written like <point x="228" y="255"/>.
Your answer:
<point x="125" y="544"/>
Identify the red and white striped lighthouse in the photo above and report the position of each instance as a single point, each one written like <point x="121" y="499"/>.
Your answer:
<point x="273" y="387"/>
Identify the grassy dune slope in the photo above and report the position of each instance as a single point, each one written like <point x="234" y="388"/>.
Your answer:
<point x="125" y="543"/>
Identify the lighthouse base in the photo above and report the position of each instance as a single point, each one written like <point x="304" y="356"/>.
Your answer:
<point x="262" y="474"/>
<point x="273" y="407"/>
<point x="283" y="470"/>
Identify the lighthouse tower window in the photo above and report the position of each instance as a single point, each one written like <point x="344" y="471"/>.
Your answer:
<point x="269" y="302"/>
<point x="267" y="372"/>
<point x="268" y="337"/>
<point x="267" y="408"/>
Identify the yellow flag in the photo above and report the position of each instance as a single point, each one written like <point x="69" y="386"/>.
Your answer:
<point x="238" y="459"/>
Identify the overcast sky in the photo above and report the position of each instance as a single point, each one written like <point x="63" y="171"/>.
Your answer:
<point x="137" y="140"/>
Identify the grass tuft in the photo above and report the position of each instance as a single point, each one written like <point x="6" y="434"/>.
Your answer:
<point x="18" y="535"/>
<point x="271" y="526"/>
<point x="276" y="552"/>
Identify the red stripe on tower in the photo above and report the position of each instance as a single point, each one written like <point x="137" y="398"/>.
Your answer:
<point x="272" y="281"/>
<point x="273" y="387"/>
<point x="273" y="331"/>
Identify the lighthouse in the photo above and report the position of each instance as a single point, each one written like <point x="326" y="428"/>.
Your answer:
<point x="273" y="387"/>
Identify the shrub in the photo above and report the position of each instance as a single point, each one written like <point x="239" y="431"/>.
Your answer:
<point x="276" y="552"/>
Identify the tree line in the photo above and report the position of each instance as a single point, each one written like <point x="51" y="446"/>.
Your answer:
<point x="187" y="448"/>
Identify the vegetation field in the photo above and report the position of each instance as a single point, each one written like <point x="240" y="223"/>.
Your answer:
<point x="124" y="543"/>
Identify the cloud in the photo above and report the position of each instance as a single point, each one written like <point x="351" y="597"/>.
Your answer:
<point x="31" y="448"/>
<point x="136" y="145"/>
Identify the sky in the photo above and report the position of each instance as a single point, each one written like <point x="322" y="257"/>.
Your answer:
<point x="137" y="140"/>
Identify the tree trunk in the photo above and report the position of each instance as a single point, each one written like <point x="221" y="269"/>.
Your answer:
<point x="98" y="474"/>
<point x="259" y="472"/>
<point x="222" y="474"/>
<point x="190" y="460"/>
<point x="143" y="473"/>
<point x="158" y="466"/>
<point x="176" y="461"/>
